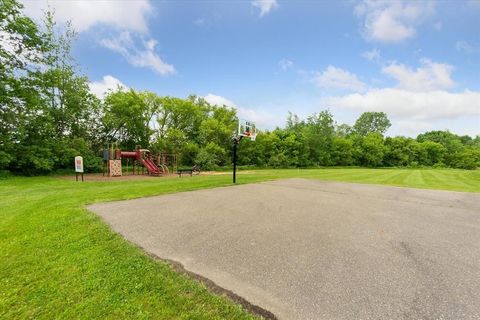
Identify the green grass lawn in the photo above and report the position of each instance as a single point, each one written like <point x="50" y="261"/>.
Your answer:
<point x="57" y="260"/>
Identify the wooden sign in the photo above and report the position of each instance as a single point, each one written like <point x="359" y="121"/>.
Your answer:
<point x="79" y="164"/>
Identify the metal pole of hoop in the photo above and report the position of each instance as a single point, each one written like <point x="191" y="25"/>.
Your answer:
<point x="245" y="129"/>
<point x="236" y="141"/>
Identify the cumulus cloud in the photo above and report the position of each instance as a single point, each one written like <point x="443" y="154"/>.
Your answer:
<point x="430" y="76"/>
<point x="128" y="17"/>
<point x="108" y="82"/>
<point x="139" y="53"/>
<point x="337" y="78"/>
<point x="413" y="127"/>
<point x="84" y="14"/>
<point x="265" y="6"/>
<point x="420" y="101"/>
<point x="262" y="118"/>
<point x="412" y="105"/>
<point x="219" y="100"/>
<point x="391" y="21"/>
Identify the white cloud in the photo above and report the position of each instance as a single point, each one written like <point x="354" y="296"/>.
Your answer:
<point x="145" y="57"/>
<point x="419" y="102"/>
<point x="412" y="127"/>
<point x="84" y="14"/>
<point x="107" y="83"/>
<point x="265" y="6"/>
<point x="392" y="21"/>
<point x="262" y="118"/>
<point x="466" y="47"/>
<point x="412" y="105"/>
<point x="219" y="100"/>
<point x="373" y="55"/>
<point x="336" y="78"/>
<point x="431" y="76"/>
<point x="285" y="64"/>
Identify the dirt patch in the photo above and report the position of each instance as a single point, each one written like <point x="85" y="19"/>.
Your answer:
<point x="100" y="177"/>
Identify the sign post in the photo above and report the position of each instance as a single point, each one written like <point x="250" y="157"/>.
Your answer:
<point x="78" y="167"/>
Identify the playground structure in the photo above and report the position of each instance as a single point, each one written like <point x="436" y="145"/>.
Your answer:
<point x="141" y="160"/>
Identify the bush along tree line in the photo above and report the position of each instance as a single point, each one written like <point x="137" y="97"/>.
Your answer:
<point x="48" y="115"/>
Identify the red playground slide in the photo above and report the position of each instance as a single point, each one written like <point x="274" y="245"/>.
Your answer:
<point x="147" y="163"/>
<point x="151" y="167"/>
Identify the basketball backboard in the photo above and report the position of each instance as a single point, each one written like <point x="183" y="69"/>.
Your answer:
<point x="247" y="128"/>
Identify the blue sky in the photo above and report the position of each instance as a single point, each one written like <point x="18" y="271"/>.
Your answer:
<point x="417" y="61"/>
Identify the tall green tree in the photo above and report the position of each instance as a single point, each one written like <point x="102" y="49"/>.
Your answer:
<point x="127" y="117"/>
<point x="21" y="50"/>
<point x="372" y="150"/>
<point x="401" y="151"/>
<point x="450" y="141"/>
<point x="319" y="132"/>
<point x="369" y="122"/>
<point x="431" y="153"/>
<point x="342" y="151"/>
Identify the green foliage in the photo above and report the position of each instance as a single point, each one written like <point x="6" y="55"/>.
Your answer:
<point x="431" y="153"/>
<point x="68" y="149"/>
<point x="5" y="159"/>
<point x="188" y="154"/>
<point x="34" y="159"/>
<point x="373" y="150"/>
<point x="46" y="108"/>
<point x="319" y="135"/>
<point x="20" y="50"/>
<point x="210" y="157"/>
<point x="401" y="151"/>
<point x="127" y="115"/>
<point x="469" y="158"/>
<point x="451" y="142"/>
<point x="372" y="122"/>
<point x="278" y="160"/>
<point x="48" y="116"/>
<point x="342" y="151"/>
<point x="205" y="160"/>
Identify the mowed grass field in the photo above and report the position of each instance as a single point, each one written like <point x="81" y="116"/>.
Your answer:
<point x="57" y="260"/>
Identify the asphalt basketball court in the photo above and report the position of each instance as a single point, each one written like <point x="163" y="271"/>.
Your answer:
<point x="307" y="249"/>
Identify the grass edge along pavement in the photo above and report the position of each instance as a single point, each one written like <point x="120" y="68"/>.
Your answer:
<point x="57" y="260"/>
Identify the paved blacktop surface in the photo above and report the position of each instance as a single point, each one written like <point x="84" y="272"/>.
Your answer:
<point x="307" y="249"/>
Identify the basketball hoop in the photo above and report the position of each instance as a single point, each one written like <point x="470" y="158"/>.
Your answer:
<point x="245" y="129"/>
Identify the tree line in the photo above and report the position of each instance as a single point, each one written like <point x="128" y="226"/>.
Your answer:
<point x="48" y="115"/>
